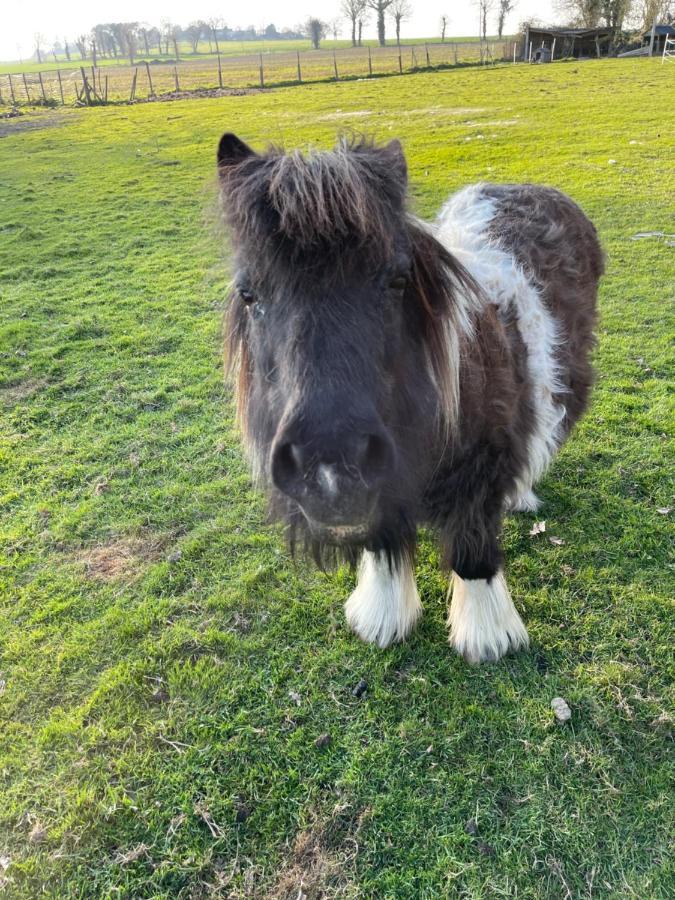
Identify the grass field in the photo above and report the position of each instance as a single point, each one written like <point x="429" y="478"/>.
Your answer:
<point x="167" y="672"/>
<point x="241" y="70"/>
<point x="227" y="49"/>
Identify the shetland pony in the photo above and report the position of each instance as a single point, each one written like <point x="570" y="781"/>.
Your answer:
<point x="392" y="372"/>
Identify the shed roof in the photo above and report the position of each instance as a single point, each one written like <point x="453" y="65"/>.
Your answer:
<point x="661" y="31"/>
<point x="570" y="32"/>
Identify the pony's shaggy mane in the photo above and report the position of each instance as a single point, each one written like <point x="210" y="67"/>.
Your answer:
<point x="324" y="199"/>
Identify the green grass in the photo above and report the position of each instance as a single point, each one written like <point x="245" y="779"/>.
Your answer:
<point x="167" y="669"/>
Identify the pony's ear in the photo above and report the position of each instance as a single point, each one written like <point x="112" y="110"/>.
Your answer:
<point x="231" y="151"/>
<point x="393" y="151"/>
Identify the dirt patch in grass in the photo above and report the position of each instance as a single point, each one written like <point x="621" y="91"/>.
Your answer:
<point x="318" y="867"/>
<point x="13" y="124"/>
<point x="124" y="558"/>
<point x="24" y="390"/>
<point x="199" y="94"/>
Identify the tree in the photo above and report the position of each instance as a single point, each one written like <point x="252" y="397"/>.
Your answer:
<point x="39" y="41"/>
<point x="380" y="7"/>
<point x="585" y="13"/>
<point x="505" y="7"/>
<point x="399" y="10"/>
<point x="66" y="48"/>
<point x="362" y="21"/>
<point x="315" y="30"/>
<point x="353" y="10"/>
<point x="194" y="33"/>
<point x="334" y="27"/>
<point x="143" y="34"/>
<point x="646" y="12"/>
<point x="445" y="21"/>
<point x="216" y="24"/>
<point x="484" y="7"/>
<point x="81" y="43"/>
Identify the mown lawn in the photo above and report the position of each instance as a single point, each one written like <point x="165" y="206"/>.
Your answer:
<point x="166" y="669"/>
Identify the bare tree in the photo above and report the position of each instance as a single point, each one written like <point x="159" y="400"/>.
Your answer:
<point x="315" y="30"/>
<point x="445" y="21"/>
<point x="215" y="25"/>
<point x="333" y="27"/>
<point x="363" y="18"/>
<point x="484" y="8"/>
<point x="353" y="10"/>
<point x="644" y="13"/>
<point x="143" y="34"/>
<point x="81" y="43"/>
<point x="399" y="10"/>
<point x="39" y="43"/>
<point x="585" y="13"/>
<point x="66" y="48"/>
<point x="505" y="7"/>
<point x="194" y="33"/>
<point x="380" y="7"/>
<point x="170" y="33"/>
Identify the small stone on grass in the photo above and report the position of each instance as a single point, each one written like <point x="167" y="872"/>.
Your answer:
<point x="322" y="741"/>
<point x="561" y="710"/>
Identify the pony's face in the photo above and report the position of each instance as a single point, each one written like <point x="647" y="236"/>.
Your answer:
<point x="336" y="391"/>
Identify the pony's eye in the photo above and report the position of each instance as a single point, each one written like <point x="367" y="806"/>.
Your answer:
<point x="398" y="284"/>
<point x="246" y="295"/>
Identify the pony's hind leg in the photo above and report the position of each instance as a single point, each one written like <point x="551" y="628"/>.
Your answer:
<point x="385" y="605"/>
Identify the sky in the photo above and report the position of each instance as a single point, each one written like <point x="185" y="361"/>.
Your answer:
<point x="69" y="18"/>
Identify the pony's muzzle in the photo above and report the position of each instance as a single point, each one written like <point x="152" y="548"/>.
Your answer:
<point x="337" y="477"/>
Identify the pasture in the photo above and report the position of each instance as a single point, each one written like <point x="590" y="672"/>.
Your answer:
<point x="177" y="716"/>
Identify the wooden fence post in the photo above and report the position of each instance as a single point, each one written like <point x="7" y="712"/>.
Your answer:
<point x="85" y="84"/>
<point x="262" y="73"/>
<point x="1" y="98"/>
<point x="400" y="62"/>
<point x="175" y="78"/>
<point x="299" y="69"/>
<point x="152" y="90"/>
<point x="335" y="68"/>
<point x="426" y="50"/>
<point x="133" y="85"/>
<point x="42" y="87"/>
<point x="370" y="62"/>
<point x="220" y="72"/>
<point x="11" y="90"/>
<point x="58" y="75"/>
<point x="105" y="95"/>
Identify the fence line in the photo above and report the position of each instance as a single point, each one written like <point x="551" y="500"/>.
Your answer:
<point x="88" y="86"/>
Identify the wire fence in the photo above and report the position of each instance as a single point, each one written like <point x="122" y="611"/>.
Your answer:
<point x="89" y="85"/>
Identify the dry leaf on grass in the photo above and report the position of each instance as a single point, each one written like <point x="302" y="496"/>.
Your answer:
<point x="557" y="541"/>
<point x="537" y="528"/>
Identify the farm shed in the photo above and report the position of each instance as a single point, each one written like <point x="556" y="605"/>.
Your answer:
<point x="577" y="42"/>
<point x="661" y="32"/>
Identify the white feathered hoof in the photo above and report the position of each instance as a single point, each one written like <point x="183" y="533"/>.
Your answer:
<point x="527" y="501"/>
<point x="385" y="606"/>
<point x="484" y="623"/>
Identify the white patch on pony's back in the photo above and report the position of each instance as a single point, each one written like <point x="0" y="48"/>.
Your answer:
<point x="484" y="623"/>
<point x="462" y="227"/>
<point x="385" y="606"/>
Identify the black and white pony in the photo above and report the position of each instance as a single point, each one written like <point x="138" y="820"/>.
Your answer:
<point x="392" y="372"/>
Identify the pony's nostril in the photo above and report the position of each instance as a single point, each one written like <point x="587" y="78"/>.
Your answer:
<point x="374" y="457"/>
<point x="287" y="466"/>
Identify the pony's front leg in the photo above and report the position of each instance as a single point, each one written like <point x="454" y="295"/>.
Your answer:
<point x="484" y="623"/>
<point x="385" y="605"/>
